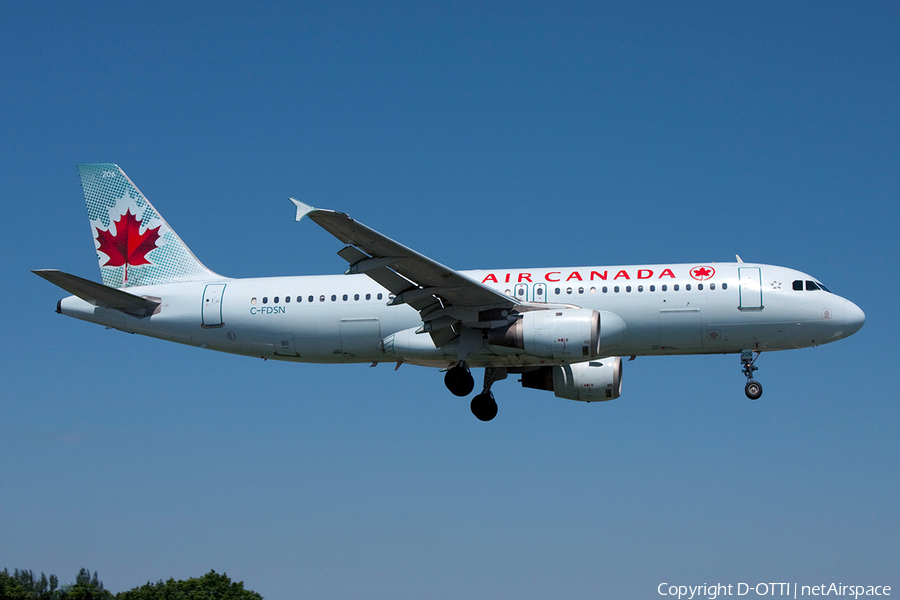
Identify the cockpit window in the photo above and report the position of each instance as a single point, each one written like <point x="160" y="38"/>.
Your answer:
<point x="811" y="286"/>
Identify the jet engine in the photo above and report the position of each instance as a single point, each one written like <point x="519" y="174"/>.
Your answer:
<point x="566" y="334"/>
<point x="592" y="381"/>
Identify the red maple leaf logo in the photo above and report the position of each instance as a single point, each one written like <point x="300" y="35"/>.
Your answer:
<point x="702" y="273"/>
<point x="129" y="246"/>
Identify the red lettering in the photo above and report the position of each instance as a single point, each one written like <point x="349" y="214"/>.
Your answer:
<point x="547" y="276"/>
<point x="507" y="278"/>
<point x="667" y="273"/>
<point x="621" y="274"/>
<point x="599" y="276"/>
<point x="574" y="275"/>
<point x="648" y="272"/>
<point x="524" y="277"/>
<point x="490" y="277"/>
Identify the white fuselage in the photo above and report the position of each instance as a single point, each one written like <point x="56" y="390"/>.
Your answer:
<point x="345" y="318"/>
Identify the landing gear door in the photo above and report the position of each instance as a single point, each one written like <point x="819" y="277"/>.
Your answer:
<point x="540" y="292"/>
<point x="521" y="291"/>
<point x="211" y="314"/>
<point x="751" y="288"/>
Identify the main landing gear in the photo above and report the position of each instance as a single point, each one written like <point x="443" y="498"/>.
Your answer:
<point x="753" y="389"/>
<point x="483" y="406"/>
<point x="460" y="382"/>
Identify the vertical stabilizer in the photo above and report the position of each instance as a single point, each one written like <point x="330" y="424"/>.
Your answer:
<point x="135" y="245"/>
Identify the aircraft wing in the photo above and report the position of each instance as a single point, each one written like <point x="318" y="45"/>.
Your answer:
<point x="444" y="297"/>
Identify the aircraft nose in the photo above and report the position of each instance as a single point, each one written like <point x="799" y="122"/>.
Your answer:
<point x="854" y="318"/>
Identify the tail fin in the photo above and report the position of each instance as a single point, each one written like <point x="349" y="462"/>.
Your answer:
<point x="135" y="245"/>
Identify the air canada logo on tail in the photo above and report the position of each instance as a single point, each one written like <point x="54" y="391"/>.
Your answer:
<point x="128" y="246"/>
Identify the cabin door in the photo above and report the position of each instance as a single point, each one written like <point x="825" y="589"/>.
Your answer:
<point x="751" y="288"/>
<point x="211" y="314"/>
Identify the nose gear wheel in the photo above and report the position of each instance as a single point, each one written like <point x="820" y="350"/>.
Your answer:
<point x="753" y="389"/>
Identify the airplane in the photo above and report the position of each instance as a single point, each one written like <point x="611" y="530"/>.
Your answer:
<point x="563" y="330"/>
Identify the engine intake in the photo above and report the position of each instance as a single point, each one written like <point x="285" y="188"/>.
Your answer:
<point x="593" y="381"/>
<point x="572" y="334"/>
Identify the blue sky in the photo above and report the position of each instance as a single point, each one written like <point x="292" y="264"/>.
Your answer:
<point x="482" y="135"/>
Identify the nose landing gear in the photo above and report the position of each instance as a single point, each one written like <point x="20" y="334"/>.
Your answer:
<point x="753" y="389"/>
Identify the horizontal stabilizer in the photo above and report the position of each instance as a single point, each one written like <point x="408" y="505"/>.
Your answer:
<point x="99" y="294"/>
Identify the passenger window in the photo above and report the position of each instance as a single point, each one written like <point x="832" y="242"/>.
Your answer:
<point x="252" y="300"/>
<point x="640" y="288"/>
<point x="345" y="297"/>
<point x="593" y="290"/>
<point x="605" y="289"/>
<point x="322" y="298"/>
<point x="675" y="287"/>
<point x="265" y="300"/>
<point x="356" y="296"/>
<point x="275" y="301"/>
<point x="311" y="298"/>
<point x="724" y="286"/>
<point x="687" y="287"/>
<point x="540" y="291"/>
<point x="368" y="296"/>
<point x="700" y="286"/>
<point x="665" y="288"/>
<point x="287" y="299"/>
<point x="712" y="286"/>
<point x="616" y="289"/>
<point x="652" y="288"/>
<point x="379" y="296"/>
<point x="299" y="298"/>
<point x="568" y="290"/>
<point x="557" y="291"/>
<point x="798" y="285"/>
<point x="628" y="288"/>
<point x="334" y="297"/>
<point x="580" y="290"/>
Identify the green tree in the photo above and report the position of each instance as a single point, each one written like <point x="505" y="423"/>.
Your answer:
<point x="211" y="586"/>
<point x="86" y="588"/>
<point x="11" y="589"/>
<point x="37" y="588"/>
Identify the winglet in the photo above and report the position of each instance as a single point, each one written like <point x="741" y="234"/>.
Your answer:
<point x="302" y="209"/>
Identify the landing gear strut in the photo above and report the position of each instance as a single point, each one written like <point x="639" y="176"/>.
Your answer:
<point x="483" y="406"/>
<point x="459" y="380"/>
<point x="753" y="389"/>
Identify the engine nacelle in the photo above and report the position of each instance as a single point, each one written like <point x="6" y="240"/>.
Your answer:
<point x="564" y="334"/>
<point x="593" y="381"/>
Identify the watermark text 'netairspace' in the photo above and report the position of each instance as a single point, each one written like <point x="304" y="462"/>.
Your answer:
<point x="792" y="590"/>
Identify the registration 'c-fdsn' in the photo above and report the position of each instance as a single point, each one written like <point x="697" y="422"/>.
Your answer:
<point x="561" y="329"/>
